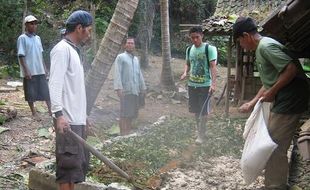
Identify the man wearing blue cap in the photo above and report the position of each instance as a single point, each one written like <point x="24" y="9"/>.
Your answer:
<point x="32" y="67"/>
<point x="285" y="85"/>
<point x="68" y="100"/>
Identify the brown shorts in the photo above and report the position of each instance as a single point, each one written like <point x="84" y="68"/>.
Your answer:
<point x="72" y="159"/>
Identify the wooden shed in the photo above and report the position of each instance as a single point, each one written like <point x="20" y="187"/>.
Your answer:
<point x="244" y="82"/>
<point x="290" y="24"/>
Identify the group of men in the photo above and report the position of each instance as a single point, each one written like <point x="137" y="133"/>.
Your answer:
<point x="65" y="96"/>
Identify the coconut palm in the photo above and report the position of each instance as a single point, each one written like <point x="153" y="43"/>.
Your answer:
<point x="109" y="48"/>
<point x="166" y="73"/>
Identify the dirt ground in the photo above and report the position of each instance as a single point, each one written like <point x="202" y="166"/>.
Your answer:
<point x="29" y="141"/>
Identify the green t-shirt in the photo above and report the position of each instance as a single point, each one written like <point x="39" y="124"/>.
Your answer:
<point x="199" y="74"/>
<point x="271" y="60"/>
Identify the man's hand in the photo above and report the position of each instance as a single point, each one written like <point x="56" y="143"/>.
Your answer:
<point x="27" y="74"/>
<point x="183" y="76"/>
<point x="62" y="124"/>
<point x="212" y="88"/>
<point x="246" y="107"/>
<point x="89" y="126"/>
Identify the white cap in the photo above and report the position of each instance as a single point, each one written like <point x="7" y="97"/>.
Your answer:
<point x="30" y="18"/>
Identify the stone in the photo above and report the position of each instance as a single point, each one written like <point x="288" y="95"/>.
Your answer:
<point x="39" y="180"/>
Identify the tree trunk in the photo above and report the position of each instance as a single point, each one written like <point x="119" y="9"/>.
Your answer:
<point x="109" y="48"/>
<point x="146" y="29"/>
<point x="24" y="14"/>
<point x="166" y="74"/>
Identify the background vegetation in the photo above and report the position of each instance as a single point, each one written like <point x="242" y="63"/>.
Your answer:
<point x="53" y="13"/>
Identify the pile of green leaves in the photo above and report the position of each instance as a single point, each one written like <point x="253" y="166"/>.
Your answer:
<point x="224" y="138"/>
<point x="142" y="156"/>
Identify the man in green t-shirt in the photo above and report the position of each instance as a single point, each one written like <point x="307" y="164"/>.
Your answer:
<point x="285" y="85"/>
<point x="201" y="65"/>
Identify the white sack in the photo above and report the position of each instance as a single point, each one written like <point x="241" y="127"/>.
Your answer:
<point x="258" y="145"/>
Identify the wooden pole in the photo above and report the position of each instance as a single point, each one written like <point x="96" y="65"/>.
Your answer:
<point x="94" y="33"/>
<point x="228" y="88"/>
<point x="99" y="155"/>
<point x="24" y="14"/>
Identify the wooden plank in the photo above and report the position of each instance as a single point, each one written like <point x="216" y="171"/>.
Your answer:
<point x="189" y="25"/>
<point x="184" y="31"/>
<point x="7" y="89"/>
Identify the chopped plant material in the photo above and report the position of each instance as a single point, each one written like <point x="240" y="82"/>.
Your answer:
<point x="167" y="146"/>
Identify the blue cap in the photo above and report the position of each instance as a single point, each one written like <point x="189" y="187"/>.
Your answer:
<point x="80" y="17"/>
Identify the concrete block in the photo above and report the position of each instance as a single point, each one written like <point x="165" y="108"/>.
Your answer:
<point x="39" y="180"/>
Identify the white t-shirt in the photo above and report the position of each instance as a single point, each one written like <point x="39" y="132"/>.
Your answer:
<point x="66" y="83"/>
<point x="30" y="46"/>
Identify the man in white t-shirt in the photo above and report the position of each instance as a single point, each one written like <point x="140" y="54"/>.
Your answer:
<point x="68" y="99"/>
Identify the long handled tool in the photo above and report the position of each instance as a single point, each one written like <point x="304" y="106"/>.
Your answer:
<point x="206" y="103"/>
<point x="103" y="158"/>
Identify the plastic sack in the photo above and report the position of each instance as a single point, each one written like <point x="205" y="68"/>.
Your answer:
<point x="258" y="145"/>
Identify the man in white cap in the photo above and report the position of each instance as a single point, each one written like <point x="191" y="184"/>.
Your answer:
<point x="32" y="67"/>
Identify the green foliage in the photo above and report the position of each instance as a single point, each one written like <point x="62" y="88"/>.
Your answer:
<point x="193" y="11"/>
<point x="52" y="15"/>
<point x="181" y="11"/>
<point x="221" y="43"/>
<point x="11" y="26"/>
<point x="101" y="26"/>
<point x="104" y="14"/>
<point x="144" y="155"/>
<point x="2" y="121"/>
<point x="11" y="70"/>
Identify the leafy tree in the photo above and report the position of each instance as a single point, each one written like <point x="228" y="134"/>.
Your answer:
<point x="11" y="23"/>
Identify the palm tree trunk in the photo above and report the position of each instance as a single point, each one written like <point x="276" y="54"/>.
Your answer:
<point x="109" y="48"/>
<point x="166" y="74"/>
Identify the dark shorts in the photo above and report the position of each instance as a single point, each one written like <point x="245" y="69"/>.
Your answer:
<point x="36" y="89"/>
<point x="72" y="159"/>
<point x="129" y="106"/>
<point x="197" y="98"/>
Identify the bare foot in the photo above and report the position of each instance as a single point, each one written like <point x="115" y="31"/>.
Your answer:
<point x="36" y="117"/>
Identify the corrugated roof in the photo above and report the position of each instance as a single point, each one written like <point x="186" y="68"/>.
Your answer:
<point x="221" y="22"/>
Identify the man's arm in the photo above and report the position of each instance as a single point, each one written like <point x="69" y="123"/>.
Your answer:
<point x="213" y="70"/>
<point x="186" y="70"/>
<point x="22" y="61"/>
<point x="21" y="52"/>
<point x="286" y="76"/>
<point x="118" y="86"/>
<point x="59" y="64"/>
